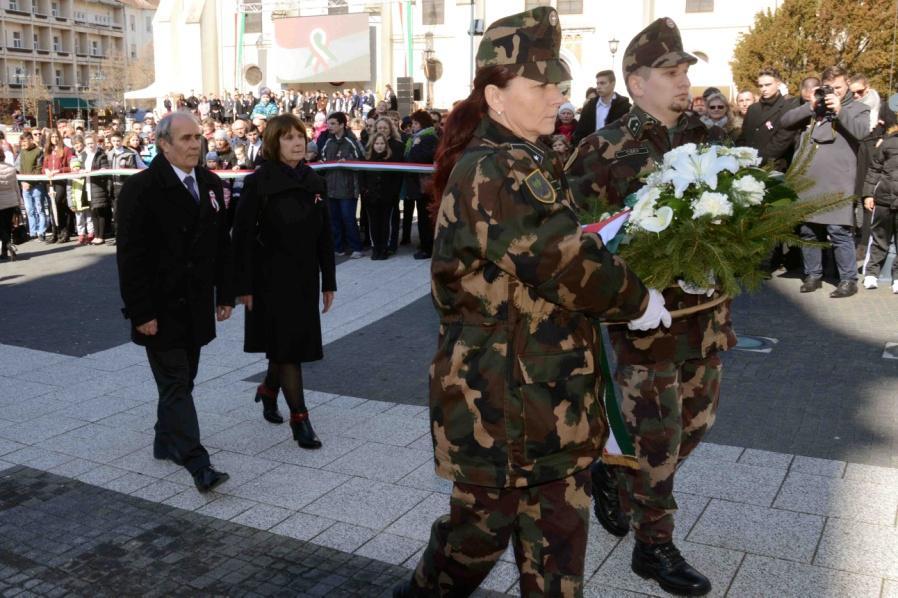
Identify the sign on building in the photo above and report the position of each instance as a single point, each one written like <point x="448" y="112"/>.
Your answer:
<point x="322" y="49"/>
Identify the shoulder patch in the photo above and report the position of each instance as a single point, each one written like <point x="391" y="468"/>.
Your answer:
<point x="631" y="151"/>
<point x="541" y="189"/>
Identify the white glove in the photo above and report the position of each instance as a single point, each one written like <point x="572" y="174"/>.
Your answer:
<point x="655" y="314"/>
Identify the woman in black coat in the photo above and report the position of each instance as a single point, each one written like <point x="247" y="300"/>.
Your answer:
<point x="380" y="191"/>
<point x="99" y="190"/>
<point x="284" y="256"/>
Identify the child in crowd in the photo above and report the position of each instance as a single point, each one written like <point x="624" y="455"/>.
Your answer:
<point x="379" y="191"/>
<point x="77" y="200"/>
<point x="561" y="146"/>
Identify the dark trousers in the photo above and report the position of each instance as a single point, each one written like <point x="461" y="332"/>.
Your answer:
<point x="102" y="221"/>
<point x="395" y="218"/>
<point x="883" y="227"/>
<point x="842" y="239"/>
<point x="177" y="428"/>
<point x="61" y="213"/>
<point x="379" y="213"/>
<point x="6" y="215"/>
<point x="408" y="212"/>
<point x="425" y="228"/>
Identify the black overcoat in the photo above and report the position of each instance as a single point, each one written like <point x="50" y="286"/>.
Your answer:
<point x="173" y="255"/>
<point x="100" y="186"/>
<point x="284" y="258"/>
<point x="762" y="129"/>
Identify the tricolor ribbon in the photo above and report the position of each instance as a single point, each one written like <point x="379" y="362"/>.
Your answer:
<point x="320" y="56"/>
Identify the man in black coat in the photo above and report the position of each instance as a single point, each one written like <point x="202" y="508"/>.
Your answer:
<point x="761" y="128"/>
<point x="603" y="109"/>
<point x="174" y="267"/>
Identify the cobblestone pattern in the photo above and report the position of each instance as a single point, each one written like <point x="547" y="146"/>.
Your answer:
<point x="61" y="537"/>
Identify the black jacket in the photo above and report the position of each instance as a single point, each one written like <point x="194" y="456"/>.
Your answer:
<point x="881" y="181"/>
<point x="284" y="258"/>
<point x="620" y="105"/>
<point x="381" y="187"/>
<point x="761" y="128"/>
<point x="100" y="186"/>
<point x="422" y="152"/>
<point x="173" y="255"/>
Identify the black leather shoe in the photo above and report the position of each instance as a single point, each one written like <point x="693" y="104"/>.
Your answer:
<point x="406" y="589"/>
<point x="422" y="255"/>
<point x="303" y="433"/>
<point x="846" y="288"/>
<point x="811" y="284"/>
<point x="665" y="564"/>
<point x="606" y="501"/>
<point x="269" y="404"/>
<point x="207" y="478"/>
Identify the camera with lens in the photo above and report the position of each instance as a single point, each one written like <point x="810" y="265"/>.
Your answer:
<point x="821" y="110"/>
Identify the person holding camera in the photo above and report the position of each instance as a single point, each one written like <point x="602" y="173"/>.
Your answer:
<point x="838" y="125"/>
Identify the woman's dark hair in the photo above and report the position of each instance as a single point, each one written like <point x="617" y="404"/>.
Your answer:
<point x="277" y="128"/>
<point x="459" y="126"/>
<point x="423" y="118"/>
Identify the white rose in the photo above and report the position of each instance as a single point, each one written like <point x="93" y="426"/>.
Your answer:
<point x="749" y="189"/>
<point x="713" y="204"/>
<point x="746" y="156"/>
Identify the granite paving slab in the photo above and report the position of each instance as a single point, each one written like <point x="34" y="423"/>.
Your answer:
<point x="765" y="576"/>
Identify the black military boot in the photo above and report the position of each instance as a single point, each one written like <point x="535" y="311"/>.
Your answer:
<point x="269" y="399"/>
<point x="665" y="564"/>
<point x="606" y="501"/>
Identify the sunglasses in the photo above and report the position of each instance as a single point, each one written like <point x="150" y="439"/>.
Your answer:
<point x="716" y="107"/>
<point x="859" y="92"/>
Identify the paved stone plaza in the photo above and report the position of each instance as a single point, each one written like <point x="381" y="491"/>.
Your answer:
<point x="795" y="494"/>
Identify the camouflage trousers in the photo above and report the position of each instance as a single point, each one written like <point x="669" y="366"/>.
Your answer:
<point x="547" y="524"/>
<point x="667" y="408"/>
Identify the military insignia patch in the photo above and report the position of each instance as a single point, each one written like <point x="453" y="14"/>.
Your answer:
<point x="632" y="151"/>
<point x="541" y="189"/>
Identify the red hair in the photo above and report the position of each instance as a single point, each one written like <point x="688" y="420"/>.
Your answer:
<point x="459" y="127"/>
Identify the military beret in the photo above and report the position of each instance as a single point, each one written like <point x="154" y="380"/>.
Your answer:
<point x="657" y="46"/>
<point x="528" y="43"/>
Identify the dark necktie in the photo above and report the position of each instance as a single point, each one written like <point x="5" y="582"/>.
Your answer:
<point x="188" y="180"/>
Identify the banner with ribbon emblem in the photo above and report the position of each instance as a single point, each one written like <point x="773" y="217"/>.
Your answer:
<point x="322" y="49"/>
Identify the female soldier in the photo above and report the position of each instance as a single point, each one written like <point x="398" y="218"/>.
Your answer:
<point x="516" y="415"/>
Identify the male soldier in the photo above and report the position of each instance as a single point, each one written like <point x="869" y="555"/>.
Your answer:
<point x="514" y="404"/>
<point x="669" y="378"/>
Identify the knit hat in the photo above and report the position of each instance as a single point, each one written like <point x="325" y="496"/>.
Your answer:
<point x="567" y="106"/>
<point x="212" y="156"/>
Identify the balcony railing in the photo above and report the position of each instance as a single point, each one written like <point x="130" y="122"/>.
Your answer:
<point x="16" y="49"/>
<point x="42" y="50"/>
<point x="16" y="11"/>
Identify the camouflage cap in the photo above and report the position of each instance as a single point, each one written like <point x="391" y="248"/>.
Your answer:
<point x="528" y="42"/>
<point x="657" y="46"/>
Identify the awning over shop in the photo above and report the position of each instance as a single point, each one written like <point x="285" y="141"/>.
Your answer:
<point x="72" y="104"/>
<point x="151" y="91"/>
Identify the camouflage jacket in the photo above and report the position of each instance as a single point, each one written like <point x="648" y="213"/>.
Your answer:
<point x="514" y="392"/>
<point x="607" y="166"/>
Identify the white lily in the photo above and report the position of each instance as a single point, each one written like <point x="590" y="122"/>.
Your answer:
<point x="659" y="221"/>
<point x="688" y="168"/>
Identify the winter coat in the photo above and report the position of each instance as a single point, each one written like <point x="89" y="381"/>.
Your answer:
<point x="173" y="255"/>
<point x="341" y="183"/>
<point x="620" y="105"/>
<point x="100" y="193"/>
<point x="833" y="168"/>
<point x="881" y="182"/>
<point x="763" y="130"/>
<point x="420" y="148"/>
<point x="284" y="258"/>
<point x="381" y="187"/>
<point x="9" y="188"/>
<point x="127" y="158"/>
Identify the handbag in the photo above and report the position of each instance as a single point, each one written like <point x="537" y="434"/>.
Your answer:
<point x="19" y="229"/>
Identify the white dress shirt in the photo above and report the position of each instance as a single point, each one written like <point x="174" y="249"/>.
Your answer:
<point x="602" y="110"/>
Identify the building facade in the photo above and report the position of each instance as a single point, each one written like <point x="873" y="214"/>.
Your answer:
<point x="234" y="45"/>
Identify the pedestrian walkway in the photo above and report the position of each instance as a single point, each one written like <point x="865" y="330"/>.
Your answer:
<point x="757" y="522"/>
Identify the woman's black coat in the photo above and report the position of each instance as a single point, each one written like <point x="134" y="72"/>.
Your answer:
<point x="381" y="187"/>
<point x="100" y="186"/>
<point x="173" y="255"/>
<point x="284" y="258"/>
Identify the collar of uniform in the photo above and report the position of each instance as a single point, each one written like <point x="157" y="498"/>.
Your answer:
<point x="491" y="131"/>
<point x="639" y="121"/>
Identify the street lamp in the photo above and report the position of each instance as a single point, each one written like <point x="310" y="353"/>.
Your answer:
<point x="613" y="44"/>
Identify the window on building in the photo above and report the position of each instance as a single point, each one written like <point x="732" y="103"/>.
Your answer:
<point x="95" y="48"/>
<point x="433" y="12"/>
<point x="13" y="4"/>
<point x="531" y="4"/>
<point x="337" y="7"/>
<point x="16" y="39"/>
<point x="133" y="51"/>
<point x="132" y="23"/>
<point x="699" y="5"/>
<point x="59" y="78"/>
<point x="34" y="44"/>
<point x="57" y="45"/>
<point x="54" y="9"/>
<point x="570" y="7"/>
<point x="148" y="22"/>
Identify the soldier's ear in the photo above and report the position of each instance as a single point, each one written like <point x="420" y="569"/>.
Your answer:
<point x="495" y="99"/>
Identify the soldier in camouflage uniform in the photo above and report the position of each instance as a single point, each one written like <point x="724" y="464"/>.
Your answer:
<point x="669" y="378"/>
<point x="516" y="415"/>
